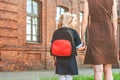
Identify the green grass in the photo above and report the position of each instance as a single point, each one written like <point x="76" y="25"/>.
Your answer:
<point x="116" y="76"/>
<point x="48" y="78"/>
<point x="83" y="77"/>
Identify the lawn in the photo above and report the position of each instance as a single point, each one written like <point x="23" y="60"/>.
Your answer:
<point x="116" y="77"/>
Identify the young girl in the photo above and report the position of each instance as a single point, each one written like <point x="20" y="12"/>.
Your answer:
<point x="66" y="67"/>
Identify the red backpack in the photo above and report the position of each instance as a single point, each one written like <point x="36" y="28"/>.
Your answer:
<point x="62" y="43"/>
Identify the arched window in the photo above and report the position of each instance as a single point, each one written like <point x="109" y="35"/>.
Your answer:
<point x="33" y="21"/>
<point x="60" y="10"/>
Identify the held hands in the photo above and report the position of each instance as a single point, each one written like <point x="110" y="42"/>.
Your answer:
<point x="83" y="47"/>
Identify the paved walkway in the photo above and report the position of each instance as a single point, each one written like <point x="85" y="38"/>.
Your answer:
<point x="35" y="75"/>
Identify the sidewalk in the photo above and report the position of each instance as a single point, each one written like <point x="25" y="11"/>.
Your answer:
<point x="35" y="75"/>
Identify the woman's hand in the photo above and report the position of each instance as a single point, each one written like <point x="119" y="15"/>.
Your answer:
<point x="83" y="43"/>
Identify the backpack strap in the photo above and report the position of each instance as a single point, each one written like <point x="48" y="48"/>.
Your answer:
<point x="70" y="32"/>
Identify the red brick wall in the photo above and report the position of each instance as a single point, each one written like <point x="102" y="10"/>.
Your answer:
<point x="15" y="53"/>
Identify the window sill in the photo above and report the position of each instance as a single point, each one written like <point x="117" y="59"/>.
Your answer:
<point x="34" y="43"/>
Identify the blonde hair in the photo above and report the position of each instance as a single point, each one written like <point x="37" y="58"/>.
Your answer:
<point x="66" y="19"/>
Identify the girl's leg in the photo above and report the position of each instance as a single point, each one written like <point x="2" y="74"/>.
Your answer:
<point x="108" y="72"/>
<point x="69" y="77"/>
<point x="98" y="71"/>
<point x="62" y="77"/>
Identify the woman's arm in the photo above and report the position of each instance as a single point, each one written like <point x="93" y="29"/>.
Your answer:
<point x="114" y="17"/>
<point x="85" y="20"/>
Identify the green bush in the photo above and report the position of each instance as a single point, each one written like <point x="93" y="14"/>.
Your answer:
<point x="82" y="77"/>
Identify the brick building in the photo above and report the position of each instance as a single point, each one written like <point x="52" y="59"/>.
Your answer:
<point x="26" y="28"/>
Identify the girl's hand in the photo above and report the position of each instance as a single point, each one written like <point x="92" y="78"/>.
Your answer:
<point x="54" y="61"/>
